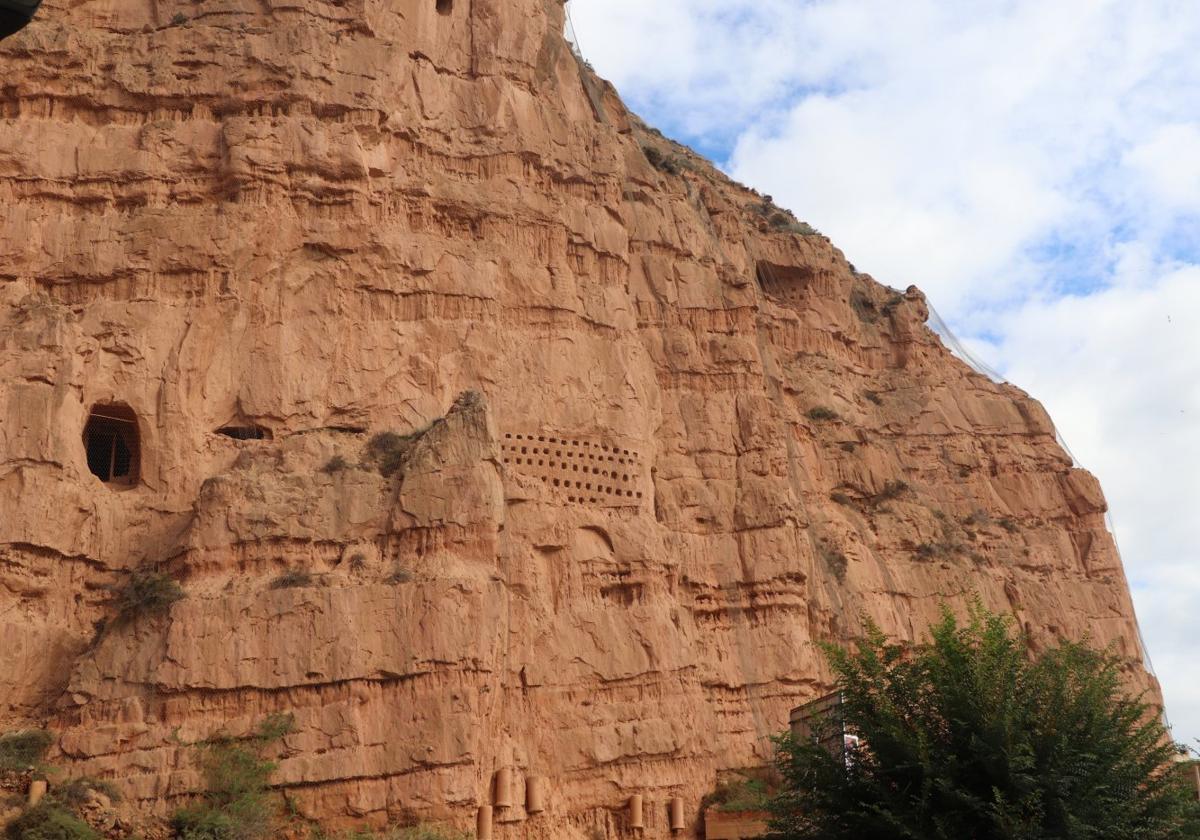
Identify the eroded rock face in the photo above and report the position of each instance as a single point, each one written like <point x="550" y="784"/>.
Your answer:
<point x="651" y="443"/>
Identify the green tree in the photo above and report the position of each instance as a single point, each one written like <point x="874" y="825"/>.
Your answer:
<point x="967" y="737"/>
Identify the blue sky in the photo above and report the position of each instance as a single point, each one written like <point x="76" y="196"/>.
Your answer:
<point x="1034" y="167"/>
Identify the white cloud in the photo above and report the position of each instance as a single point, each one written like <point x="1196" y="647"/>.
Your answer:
<point x="1035" y="167"/>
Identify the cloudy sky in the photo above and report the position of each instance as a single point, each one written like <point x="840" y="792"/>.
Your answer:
<point x="1033" y="165"/>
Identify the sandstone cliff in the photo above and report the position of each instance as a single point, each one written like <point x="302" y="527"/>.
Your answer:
<point x="652" y="437"/>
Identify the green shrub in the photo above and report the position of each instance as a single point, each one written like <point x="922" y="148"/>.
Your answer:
<point x="400" y="575"/>
<point x="663" y="162"/>
<point x="335" y="464"/>
<point x="892" y="489"/>
<point x="75" y="792"/>
<point x="238" y="804"/>
<point x="821" y="414"/>
<point x="389" y="450"/>
<point x="804" y="229"/>
<point x="836" y="562"/>
<point x="146" y="593"/>
<point x="980" y="519"/>
<point x="24" y="749"/>
<point x="292" y="579"/>
<point x="49" y="821"/>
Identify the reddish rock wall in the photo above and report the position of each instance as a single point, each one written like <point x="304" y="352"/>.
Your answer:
<point x="606" y="565"/>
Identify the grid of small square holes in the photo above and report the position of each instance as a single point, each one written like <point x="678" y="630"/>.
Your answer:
<point x="782" y="291"/>
<point x="582" y="470"/>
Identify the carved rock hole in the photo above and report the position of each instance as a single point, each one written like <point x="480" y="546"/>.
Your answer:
<point x="113" y="445"/>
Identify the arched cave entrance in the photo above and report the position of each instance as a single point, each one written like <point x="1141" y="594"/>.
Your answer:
<point x="444" y="7"/>
<point x="113" y="445"/>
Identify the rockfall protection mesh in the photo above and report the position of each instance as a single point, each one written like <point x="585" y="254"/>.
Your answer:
<point x="952" y="343"/>
<point x="570" y="33"/>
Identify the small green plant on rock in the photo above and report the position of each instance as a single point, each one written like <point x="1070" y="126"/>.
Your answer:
<point x="146" y="593"/>
<point x="864" y="307"/>
<point x="292" y="579"/>
<point x="335" y="464"/>
<point x="892" y="489"/>
<point x="399" y="575"/>
<point x="663" y="162"/>
<point x="49" y="821"/>
<point x="836" y="562"/>
<point x="24" y="749"/>
<point x="750" y="790"/>
<point x="822" y="414"/>
<point x="389" y="450"/>
<point x="238" y="803"/>
<point x="76" y="792"/>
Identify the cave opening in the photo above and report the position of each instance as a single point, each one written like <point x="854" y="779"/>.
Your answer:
<point x="112" y="444"/>
<point x="444" y="7"/>
<point x="245" y="432"/>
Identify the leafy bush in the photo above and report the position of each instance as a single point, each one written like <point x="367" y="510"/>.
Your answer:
<point x="292" y="579"/>
<point x="24" y="749"/>
<point x="237" y="804"/>
<point x="967" y="736"/>
<point x="821" y="414"/>
<point x="146" y="593"/>
<point x="49" y="821"/>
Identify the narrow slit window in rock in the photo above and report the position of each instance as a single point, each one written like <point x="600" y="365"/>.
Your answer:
<point x="245" y="432"/>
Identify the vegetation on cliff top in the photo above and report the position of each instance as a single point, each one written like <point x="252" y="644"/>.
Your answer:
<point x="969" y="736"/>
